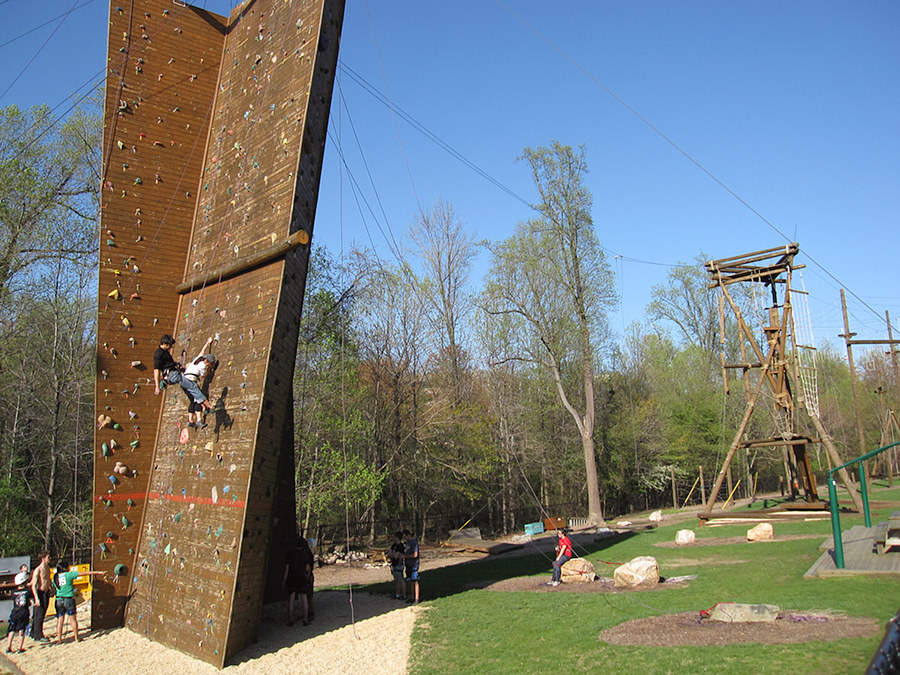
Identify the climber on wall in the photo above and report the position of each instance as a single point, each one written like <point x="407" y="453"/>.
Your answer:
<point x="197" y="372"/>
<point x="167" y="371"/>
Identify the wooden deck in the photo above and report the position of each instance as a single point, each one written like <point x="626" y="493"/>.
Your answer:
<point x="859" y="556"/>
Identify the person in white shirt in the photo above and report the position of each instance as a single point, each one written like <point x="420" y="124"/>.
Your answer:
<point x="197" y="372"/>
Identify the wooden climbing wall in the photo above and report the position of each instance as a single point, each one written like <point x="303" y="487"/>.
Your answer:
<point x="215" y="131"/>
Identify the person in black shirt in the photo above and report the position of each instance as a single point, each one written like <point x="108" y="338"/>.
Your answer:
<point x="298" y="578"/>
<point x="167" y="371"/>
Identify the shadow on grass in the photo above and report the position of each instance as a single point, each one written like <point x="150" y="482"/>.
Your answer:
<point x="452" y="579"/>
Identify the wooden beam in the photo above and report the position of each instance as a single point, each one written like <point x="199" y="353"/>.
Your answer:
<point x="245" y="264"/>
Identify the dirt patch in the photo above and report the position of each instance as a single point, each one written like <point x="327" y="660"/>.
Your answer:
<point x="722" y="541"/>
<point x="601" y="585"/>
<point x="672" y="630"/>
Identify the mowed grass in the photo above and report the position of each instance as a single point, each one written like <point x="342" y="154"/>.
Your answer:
<point x="465" y="630"/>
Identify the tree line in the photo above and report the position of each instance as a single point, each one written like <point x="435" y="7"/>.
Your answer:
<point x="424" y="397"/>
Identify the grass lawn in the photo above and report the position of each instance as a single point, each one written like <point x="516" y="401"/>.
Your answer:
<point x="526" y="632"/>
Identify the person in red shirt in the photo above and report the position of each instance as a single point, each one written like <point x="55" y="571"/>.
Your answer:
<point x="564" y="553"/>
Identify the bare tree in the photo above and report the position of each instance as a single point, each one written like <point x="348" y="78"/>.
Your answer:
<point x="446" y="253"/>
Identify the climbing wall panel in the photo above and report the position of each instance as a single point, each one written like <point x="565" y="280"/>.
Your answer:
<point x="219" y="502"/>
<point x="163" y="64"/>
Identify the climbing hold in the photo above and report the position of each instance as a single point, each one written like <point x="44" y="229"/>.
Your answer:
<point x="114" y="294"/>
<point x="130" y="503"/>
<point x="125" y="522"/>
<point x="135" y="364"/>
<point x="104" y="449"/>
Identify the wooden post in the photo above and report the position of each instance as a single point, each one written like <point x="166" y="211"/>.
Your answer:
<point x="737" y="439"/>
<point x="674" y="487"/>
<point x="702" y="487"/>
<point x="847" y="335"/>
<point x="892" y="453"/>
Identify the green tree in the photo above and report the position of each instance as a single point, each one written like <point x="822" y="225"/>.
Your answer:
<point x="552" y="279"/>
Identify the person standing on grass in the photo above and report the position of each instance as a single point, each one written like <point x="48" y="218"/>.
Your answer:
<point x="564" y="554"/>
<point x="64" y="585"/>
<point x="40" y="590"/>
<point x="396" y="556"/>
<point x="411" y="561"/>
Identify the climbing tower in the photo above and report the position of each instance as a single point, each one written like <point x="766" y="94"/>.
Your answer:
<point x="213" y="142"/>
<point x="778" y="364"/>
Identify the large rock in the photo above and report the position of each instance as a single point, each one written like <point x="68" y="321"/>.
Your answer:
<point x="762" y="532"/>
<point x="578" y="570"/>
<point x="685" y="537"/>
<point x="641" y="570"/>
<point x="466" y="533"/>
<point x="732" y="612"/>
<point x="656" y="516"/>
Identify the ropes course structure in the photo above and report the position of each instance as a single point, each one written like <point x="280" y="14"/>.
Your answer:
<point x="777" y="363"/>
<point x="213" y="144"/>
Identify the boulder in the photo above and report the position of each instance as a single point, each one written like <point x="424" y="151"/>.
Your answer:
<point x="641" y="570"/>
<point x="762" y="532"/>
<point x="656" y="516"/>
<point x="733" y="612"/>
<point x="578" y="570"/>
<point x="685" y="537"/>
<point x="466" y="533"/>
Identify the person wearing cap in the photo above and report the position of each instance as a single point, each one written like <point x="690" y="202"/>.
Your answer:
<point x="196" y="372"/>
<point x="564" y="553"/>
<point x="18" y="617"/>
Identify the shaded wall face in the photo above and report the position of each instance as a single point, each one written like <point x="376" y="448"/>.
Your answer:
<point x="214" y="495"/>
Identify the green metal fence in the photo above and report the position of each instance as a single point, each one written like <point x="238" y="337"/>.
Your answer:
<point x="833" y="503"/>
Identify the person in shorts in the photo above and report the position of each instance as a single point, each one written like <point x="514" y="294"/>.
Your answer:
<point x="18" y="617"/>
<point x="64" y="585"/>
<point x="411" y="562"/>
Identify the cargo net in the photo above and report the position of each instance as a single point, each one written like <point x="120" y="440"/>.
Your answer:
<point x="804" y="343"/>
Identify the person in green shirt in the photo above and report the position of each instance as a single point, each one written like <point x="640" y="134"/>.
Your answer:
<point x="64" y="585"/>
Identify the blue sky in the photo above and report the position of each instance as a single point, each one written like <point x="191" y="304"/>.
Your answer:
<point x="791" y="105"/>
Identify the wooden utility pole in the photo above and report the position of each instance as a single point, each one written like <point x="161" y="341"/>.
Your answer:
<point x="702" y="487"/>
<point x="847" y="335"/>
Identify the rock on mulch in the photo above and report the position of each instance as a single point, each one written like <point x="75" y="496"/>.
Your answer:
<point x="600" y="585"/>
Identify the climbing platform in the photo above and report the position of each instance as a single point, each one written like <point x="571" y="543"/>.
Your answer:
<point x="860" y="555"/>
